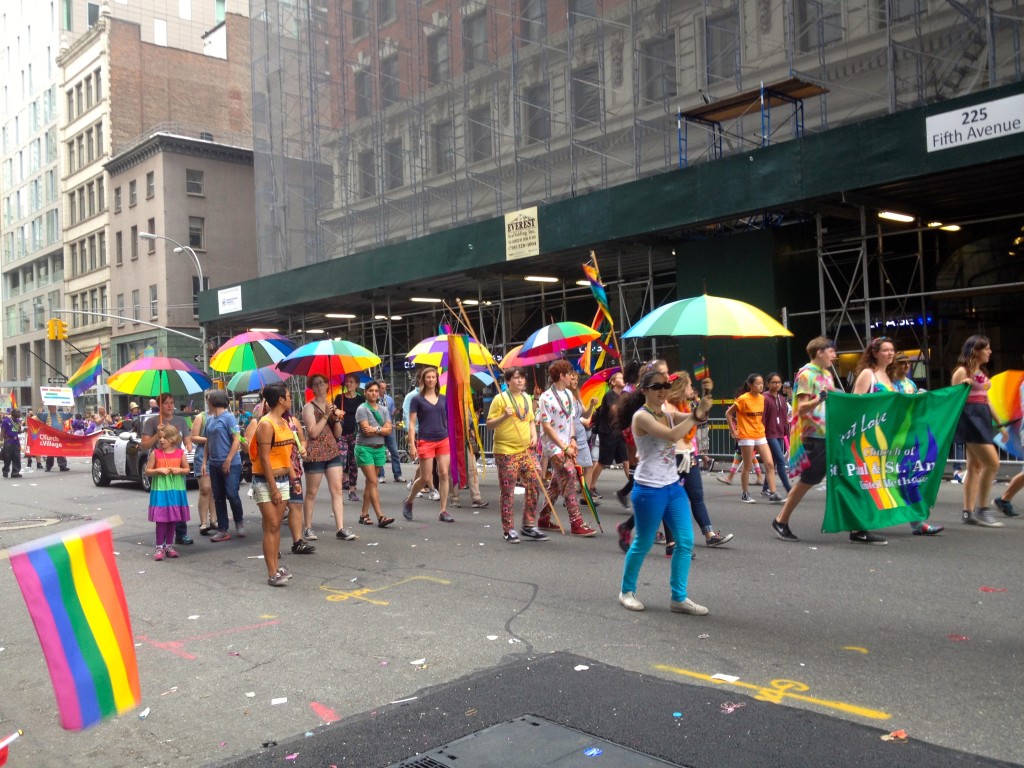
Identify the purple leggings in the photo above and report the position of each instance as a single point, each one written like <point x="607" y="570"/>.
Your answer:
<point x="165" y="534"/>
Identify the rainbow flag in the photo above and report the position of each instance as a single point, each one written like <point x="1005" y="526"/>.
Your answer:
<point x="459" y="401"/>
<point x="73" y="592"/>
<point x="700" y="370"/>
<point x="87" y="374"/>
<point x="14" y="400"/>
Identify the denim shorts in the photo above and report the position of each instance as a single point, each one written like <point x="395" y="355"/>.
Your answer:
<point x="321" y="466"/>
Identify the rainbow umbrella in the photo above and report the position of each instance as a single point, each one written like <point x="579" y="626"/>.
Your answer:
<point x="150" y="376"/>
<point x="557" y="338"/>
<point x="434" y="351"/>
<point x="1004" y="396"/>
<point x="516" y="356"/>
<point x="251" y="350"/>
<point x="707" y="316"/>
<point x="331" y="357"/>
<point x="254" y="381"/>
<point x="597" y="385"/>
<point x="478" y="380"/>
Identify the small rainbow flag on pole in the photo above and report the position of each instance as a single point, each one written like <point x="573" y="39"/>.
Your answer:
<point x="73" y="592"/>
<point x="700" y="370"/>
<point x="87" y="374"/>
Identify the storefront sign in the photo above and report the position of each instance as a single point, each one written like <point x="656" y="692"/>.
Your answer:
<point x="230" y="299"/>
<point x="980" y="122"/>
<point x="522" y="234"/>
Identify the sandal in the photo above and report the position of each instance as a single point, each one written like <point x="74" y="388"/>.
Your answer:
<point x="384" y="522"/>
<point x="365" y="520"/>
<point x="207" y="530"/>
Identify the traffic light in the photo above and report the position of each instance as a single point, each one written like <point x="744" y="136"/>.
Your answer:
<point x="56" y="329"/>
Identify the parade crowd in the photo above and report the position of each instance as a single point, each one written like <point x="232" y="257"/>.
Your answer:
<point x="649" y="423"/>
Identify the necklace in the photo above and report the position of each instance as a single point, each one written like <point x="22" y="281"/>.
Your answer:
<point x="655" y="414"/>
<point x="565" y="408"/>
<point x="519" y="415"/>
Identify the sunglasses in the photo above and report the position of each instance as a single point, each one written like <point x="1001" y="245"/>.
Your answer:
<point x="659" y="385"/>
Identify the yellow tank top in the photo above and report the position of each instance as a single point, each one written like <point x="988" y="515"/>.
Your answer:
<point x="280" y="449"/>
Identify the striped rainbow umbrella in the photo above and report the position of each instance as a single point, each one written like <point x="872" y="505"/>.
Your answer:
<point x="150" y="376"/>
<point x="250" y="351"/>
<point x="597" y="385"/>
<point x="556" y="338"/>
<point x="434" y="351"/>
<point x="331" y="357"/>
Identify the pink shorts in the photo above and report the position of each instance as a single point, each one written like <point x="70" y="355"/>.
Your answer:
<point x="428" y="449"/>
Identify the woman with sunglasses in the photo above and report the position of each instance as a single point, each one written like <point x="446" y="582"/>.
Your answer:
<point x="657" y="495"/>
<point x="975" y="430"/>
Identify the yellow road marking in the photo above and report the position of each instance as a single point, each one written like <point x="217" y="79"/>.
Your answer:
<point x="359" y="594"/>
<point x="856" y="648"/>
<point x="779" y="690"/>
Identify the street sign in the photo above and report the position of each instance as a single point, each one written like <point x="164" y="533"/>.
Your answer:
<point x="197" y="358"/>
<point x="56" y="381"/>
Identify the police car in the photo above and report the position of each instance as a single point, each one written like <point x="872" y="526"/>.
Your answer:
<point x="119" y="456"/>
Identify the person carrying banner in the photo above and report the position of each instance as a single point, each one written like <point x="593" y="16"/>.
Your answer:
<point x="54" y="420"/>
<point x="813" y="383"/>
<point x="872" y="375"/>
<point x="974" y="429"/>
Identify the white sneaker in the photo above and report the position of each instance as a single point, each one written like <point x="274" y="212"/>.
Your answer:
<point x="628" y="600"/>
<point x="688" y="606"/>
<point x="434" y="495"/>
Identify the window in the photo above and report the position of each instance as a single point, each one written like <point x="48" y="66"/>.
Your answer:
<point x="536" y="106"/>
<point x="389" y="91"/>
<point x="364" y="93"/>
<point x="117" y="199"/>
<point x="72" y="208"/>
<point x="658" y="68"/>
<point x="385" y="12"/>
<point x="478" y="134"/>
<point x="133" y="196"/>
<point x="152" y="301"/>
<point x="81" y="204"/>
<point x="437" y="56"/>
<point x="101" y="255"/>
<point x="197" y="233"/>
<point x="91" y="188"/>
<point x="160" y="32"/>
<point x="393" y="164"/>
<point x="360" y="18"/>
<point x="194" y="182"/>
<point x="120" y="310"/>
<point x="83" y="256"/>
<point x="66" y="15"/>
<point x="136" y="309"/>
<point x="75" y="320"/>
<point x="722" y="46"/>
<point x="819" y="22"/>
<point x="581" y="10"/>
<point x="474" y="41"/>
<point x="534" y="15"/>
<point x="88" y="92"/>
<point x="79" y="100"/>
<point x="151" y="243"/>
<point x="367" y="174"/>
<point x="586" y="96"/>
<point x="92" y="253"/>
<point x="118" y="249"/>
<point x="443" y="145"/>
<point x="150" y="186"/>
<point x="80" y="145"/>
<point x="97" y="76"/>
<point x="195" y="293"/>
<point x="901" y="10"/>
<point x="220" y="10"/>
<point x="101" y="199"/>
<point x="71" y="104"/>
<point x="93" y="13"/>
<point x="71" y="156"/>
<point x="99" y="139"/>
<point x="134" y="235"/>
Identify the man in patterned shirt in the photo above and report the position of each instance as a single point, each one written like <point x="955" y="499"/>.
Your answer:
<point x="555" y="415"/>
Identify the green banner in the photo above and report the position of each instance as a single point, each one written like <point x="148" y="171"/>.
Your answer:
<point x="885" y="454"/>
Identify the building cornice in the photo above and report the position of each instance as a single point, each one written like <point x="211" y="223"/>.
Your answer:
<point x="179" y="145"/>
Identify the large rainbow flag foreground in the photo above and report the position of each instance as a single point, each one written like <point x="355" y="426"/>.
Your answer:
<point x="73" y="592"/>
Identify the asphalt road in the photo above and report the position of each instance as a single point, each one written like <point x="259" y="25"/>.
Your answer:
<point x="917" y="635"/>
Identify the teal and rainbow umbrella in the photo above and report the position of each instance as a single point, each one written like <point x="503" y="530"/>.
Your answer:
<point x="250" y="351"/>
<point x="707" y="316"/>
<point x="254" y="381"/>
<point x="150" y="376"/>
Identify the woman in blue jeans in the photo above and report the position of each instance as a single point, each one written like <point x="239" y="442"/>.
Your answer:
<point x="657" y="495"/>
<point x="224" y="465"/>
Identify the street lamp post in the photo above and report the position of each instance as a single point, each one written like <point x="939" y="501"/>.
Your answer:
<point x="179" y="248"/>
